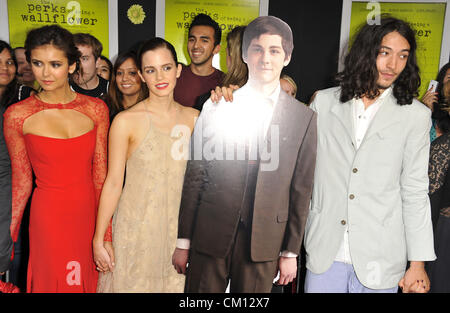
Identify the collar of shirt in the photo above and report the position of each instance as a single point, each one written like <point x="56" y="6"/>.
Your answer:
<point x="363" y="117"/>
<point x="359" y="107"/>
<point x="377" y="102"/>
<point x="254" y="94"/>
<point x="257" y="106"/>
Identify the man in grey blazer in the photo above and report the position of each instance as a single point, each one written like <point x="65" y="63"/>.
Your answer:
<point x="243" y="210"/>
<point x="370" y="212"/>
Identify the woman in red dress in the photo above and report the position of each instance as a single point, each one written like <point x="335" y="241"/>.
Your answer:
<point x="61" y="136"/>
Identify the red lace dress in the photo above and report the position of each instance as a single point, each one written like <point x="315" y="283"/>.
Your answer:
<point x="69" y="178"/>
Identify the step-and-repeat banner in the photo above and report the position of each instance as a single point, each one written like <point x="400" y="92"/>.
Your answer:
<point x="81" y="16"/>
<point x="180" y="13"/>
<point x="426" y="18"/>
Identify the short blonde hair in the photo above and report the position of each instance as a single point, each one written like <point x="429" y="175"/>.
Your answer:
<point x="290" y="81"/>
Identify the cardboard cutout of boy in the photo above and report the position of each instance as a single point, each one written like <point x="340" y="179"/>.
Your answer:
<point x="248" y="184"/>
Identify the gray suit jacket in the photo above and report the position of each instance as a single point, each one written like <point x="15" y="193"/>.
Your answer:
<point x="213" y="192"/>
<point x="379" y="191"/>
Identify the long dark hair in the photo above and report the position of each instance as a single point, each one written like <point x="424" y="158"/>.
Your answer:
<point x="115" y="96"/>
<point x="360" y="75"/>
<point x="12" y="88"/>
<point x="441" y="116"/>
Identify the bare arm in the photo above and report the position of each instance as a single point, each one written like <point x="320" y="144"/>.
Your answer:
<point x="429" y="98"/>
<point x="191" y="190"/>
<point x="112" y="189"/>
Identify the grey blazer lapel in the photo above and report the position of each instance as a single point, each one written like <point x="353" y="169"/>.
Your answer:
<point x="343" y="112"/>
<point x="278" y="116"/>
<point x="385" y="117"/>
<point x="276" y="136"/>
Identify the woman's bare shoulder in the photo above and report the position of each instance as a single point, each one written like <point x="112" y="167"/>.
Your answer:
<point x="188" y="111"/>
<point x="130" y="117"/>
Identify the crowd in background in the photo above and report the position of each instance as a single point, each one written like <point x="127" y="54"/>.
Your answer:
<point x="146" y="92"/>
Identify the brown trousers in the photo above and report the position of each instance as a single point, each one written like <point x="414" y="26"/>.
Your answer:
<point x="208" y="274"/>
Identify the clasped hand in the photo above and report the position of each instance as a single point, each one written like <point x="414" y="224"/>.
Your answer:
<point x="104" y="256"/>
<point x="415" y="279"/>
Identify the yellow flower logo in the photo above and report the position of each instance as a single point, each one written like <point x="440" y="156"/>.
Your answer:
<point x="136" y="14"/>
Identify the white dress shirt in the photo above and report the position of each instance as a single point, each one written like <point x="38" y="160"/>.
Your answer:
<point x="362" y="118"/>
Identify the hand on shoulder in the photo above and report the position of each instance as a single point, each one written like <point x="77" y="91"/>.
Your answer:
<point x="223" y="92"/>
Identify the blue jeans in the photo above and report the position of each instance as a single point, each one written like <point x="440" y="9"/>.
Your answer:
<point x="339" y="278"/>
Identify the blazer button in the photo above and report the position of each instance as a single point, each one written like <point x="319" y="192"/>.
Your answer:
<point x="343" y="222"/>
<point x="352" y="196"/>
<point x="355" y="170"/>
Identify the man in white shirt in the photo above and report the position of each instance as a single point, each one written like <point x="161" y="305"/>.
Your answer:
<point x="243" y="210"/>
<point x="370" y="212"/>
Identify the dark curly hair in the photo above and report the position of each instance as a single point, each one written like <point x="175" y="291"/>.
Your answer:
<point x="206" y="20"/>
<point x="360" y="74"/>
<point x="56" y="36"/>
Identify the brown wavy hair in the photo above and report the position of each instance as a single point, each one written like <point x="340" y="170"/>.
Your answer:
<point x="268" y="25"/>
<point x="237" y="73"/>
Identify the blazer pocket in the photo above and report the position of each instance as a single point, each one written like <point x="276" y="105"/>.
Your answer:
<point x="382" y="135"/>
<point x="389" y="132"/>
<point x="282" y="217"/>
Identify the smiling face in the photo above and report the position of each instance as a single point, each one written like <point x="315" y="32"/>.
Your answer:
<point x="160" y="72"/>
<point x="51" y="67"/>
<point x="200" y="45"/>
<point x="265" y="59"/>
<point x="127" y="78"/>
<point x="7" y="68"/>
<point x="392" y="58"/>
